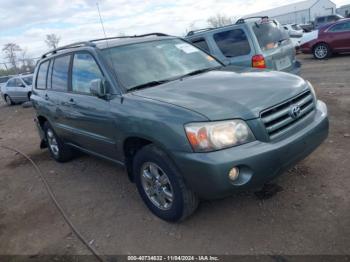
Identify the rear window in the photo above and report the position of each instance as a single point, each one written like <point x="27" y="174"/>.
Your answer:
<point x="269" y="35"/>
<point x="12" y="82"/>
<point x="41" y="78"/>
<point x="201" y="43"/>
<point x="232" y="43"/>
<point x="60" y="73"/>
<point x="321" y="19"/>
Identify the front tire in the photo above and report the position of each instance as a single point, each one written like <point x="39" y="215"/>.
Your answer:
<point x="161" y="186"/>
<point x="322" y="51"/>
<point x="58" y="150"/>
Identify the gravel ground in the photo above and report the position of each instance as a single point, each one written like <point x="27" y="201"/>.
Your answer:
<point x="311" y="215"/>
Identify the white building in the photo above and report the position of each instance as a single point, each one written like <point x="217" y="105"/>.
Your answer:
<point x="344" y="10"/>
<point x="300" y="12"/>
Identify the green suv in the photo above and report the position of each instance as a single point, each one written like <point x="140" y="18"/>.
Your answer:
<point x="184" y="126"/>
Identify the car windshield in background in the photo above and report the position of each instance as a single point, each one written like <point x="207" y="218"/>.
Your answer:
<point x="296" y="27"/>
<point x="269" y="34"/>
<point x="156" y="62"/>
<point x="28" y="80"/>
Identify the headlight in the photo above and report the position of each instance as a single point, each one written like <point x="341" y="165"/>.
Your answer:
<point x="211" y="136"/>
<point x="312" y="89"/>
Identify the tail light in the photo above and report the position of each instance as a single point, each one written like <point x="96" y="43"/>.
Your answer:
<point x="258" y="61"/>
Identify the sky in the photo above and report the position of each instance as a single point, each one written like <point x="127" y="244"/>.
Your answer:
<point x="28" y="22"/>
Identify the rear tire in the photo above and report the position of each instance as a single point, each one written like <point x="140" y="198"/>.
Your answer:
<point x="161" y="186"/>
<point x="8" y="100"/>
<point x="58" y="150"/>
<point x="322" y="51"/>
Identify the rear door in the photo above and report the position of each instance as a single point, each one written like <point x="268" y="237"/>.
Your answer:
<point x="10" y="89"/>
<point x="89" y="118"/>
<point x="275" y="45"/>
<point x="21" y="90"/>
<point x="339" y="36"/>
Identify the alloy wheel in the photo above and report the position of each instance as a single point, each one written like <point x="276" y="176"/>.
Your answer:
<point x="157" y="186"/>
<point x="321" y="51"/>
<point x="51" y="139"/>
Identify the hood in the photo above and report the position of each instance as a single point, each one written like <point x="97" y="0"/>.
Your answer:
<point x="227" y="94"/>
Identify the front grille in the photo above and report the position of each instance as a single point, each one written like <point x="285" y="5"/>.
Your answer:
<point x="278" y="119"/>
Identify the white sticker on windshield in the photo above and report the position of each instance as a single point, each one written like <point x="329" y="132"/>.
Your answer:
<point x="188" y="49"/>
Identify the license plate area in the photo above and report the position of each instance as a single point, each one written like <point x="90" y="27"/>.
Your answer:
<point x="283" y="63"/>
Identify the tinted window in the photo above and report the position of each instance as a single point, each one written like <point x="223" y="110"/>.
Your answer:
<point x="12" y="82"/>
<point x="321" y="19"/>
<point x="60" y="73"/>
<point x="28" y="80"/>
<point x="84" y="70"/>
<point x="41" y="78"/>
<point x="201" y="43"/>
<point x="232" y="43"/>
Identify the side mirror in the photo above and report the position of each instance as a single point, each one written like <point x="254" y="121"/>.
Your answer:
<point x="22" y="85"/>
<point x="97" y="88"/>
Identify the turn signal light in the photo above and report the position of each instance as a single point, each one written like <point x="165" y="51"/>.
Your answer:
<point x="258" y="61"/>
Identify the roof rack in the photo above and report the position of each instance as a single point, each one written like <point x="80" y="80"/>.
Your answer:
<point x="242" y="20"/>
<point x="91" y="42"/>
<point x="192" y="32"/>
<point x="78" y="44"/>
<point x="128" y="36"/>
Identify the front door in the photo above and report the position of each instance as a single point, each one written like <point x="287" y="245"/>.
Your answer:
<point x="89" y="117"/>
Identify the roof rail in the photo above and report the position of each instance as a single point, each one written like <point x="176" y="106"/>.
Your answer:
<point x="192" y="32"/>
<point x="242" y="20"/>
<point x="78" y="44"/>
<point x="128" y="36"/>
<point x="91" y="44"/>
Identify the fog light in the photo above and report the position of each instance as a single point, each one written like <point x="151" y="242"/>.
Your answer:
<point x="233" y="175"/>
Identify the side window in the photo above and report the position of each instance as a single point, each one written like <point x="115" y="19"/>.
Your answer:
<point x="19" y="83"/>
<point x="60" y="73"/>
<point x="84" y="71"/>
<point x="233" y="43"/>
<point x="321" y="19"/>
<point x="41" y="77"/>
<point x="338" y="27"/>
<point x="201" y="43"/>
<point x="11" y="83"/>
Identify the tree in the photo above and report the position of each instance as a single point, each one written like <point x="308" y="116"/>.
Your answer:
<point x="52" y="40"/>
<point x="11" y="50"/>
<point x="219" y="20"/>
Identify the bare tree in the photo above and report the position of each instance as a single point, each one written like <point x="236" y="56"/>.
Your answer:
<point x="52" y="40"/>
<point x="11" y="50"/>
<point x="219" y="20"/>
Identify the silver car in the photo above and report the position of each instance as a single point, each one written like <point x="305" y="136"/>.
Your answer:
<point x="17" y="89"/>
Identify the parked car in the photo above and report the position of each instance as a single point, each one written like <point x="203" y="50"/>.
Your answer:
<point x="321" y="20"/>
<point x="295" y="33"/>
<point x="3" y="80"/>
<point x="17" y="89"/>
<point x="184" y="126"/>
<point x="251" y="42"/>
<point x="329" y="39"/>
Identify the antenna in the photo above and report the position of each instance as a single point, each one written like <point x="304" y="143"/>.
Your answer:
<point x="101" y="21"/>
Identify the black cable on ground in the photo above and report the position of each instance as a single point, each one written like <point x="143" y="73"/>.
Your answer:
<point x="58" y="206"/>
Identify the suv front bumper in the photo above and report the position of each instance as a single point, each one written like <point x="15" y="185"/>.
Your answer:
<point x="258" y="162"/>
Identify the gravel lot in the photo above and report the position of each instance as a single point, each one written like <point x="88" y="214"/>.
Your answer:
<point x="310" y="216"/>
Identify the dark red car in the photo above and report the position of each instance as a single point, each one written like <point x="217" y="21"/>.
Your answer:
<point x="332" y="38"/>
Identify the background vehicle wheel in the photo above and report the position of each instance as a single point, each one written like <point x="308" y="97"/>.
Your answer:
<point x="322" y="51"/>
<point x="161" y="186"/>
<point x="58" y="150"/>
<point x="8" y="100"/>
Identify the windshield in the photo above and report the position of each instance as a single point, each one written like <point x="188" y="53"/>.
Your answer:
<point x="269" y="35"/>
<point x="296" y="27"/>
<point x="156" y="61"/>
<point x="28" y="80"/>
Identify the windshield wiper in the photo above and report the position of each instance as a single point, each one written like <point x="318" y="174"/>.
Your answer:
<point x="200" y="71"/>
<point x="148" y="84"/>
